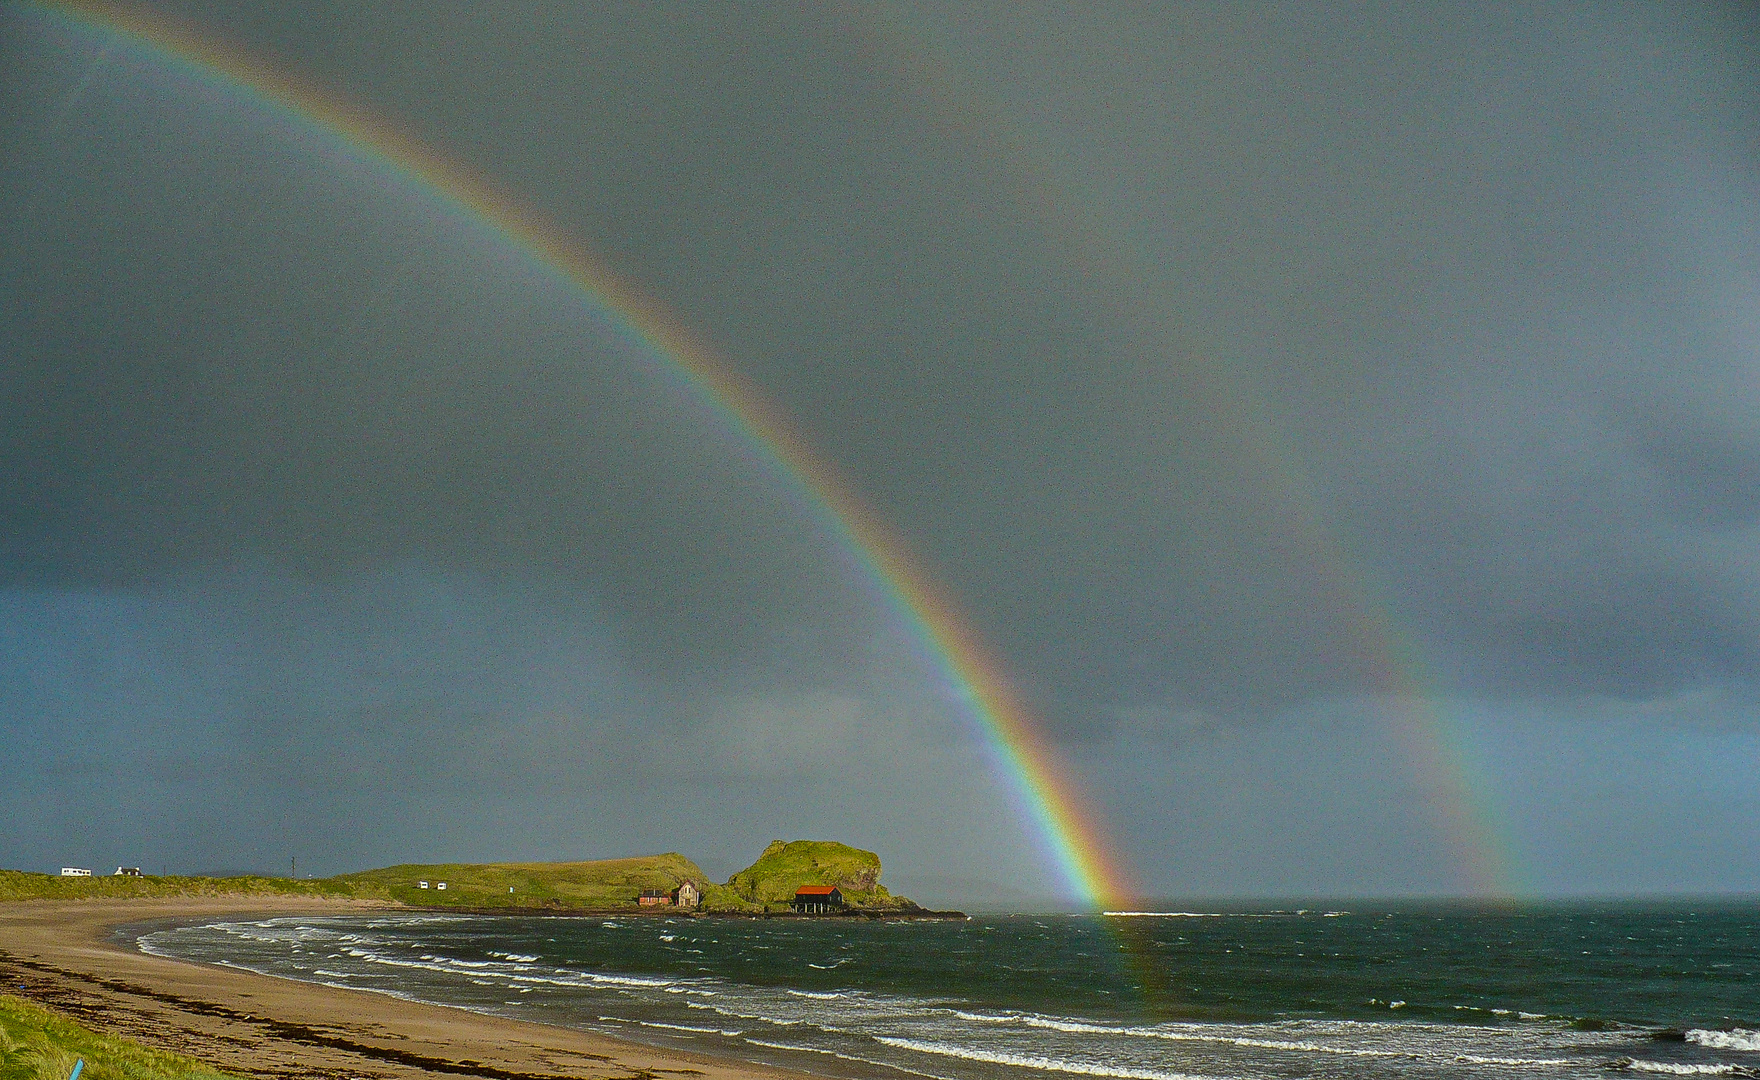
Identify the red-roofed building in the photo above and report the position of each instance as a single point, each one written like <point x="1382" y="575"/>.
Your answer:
<point x="817" y="899"/>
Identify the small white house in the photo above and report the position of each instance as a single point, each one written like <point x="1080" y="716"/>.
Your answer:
<point x="421" y="884"/>
<point x="128" y="871"/>
<point x="74" y="871"/>
<point x="441" y="886"/>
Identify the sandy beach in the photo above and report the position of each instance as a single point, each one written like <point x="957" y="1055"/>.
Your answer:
<point x="60" y="954"/>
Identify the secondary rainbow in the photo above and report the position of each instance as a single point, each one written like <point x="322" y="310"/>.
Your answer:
<point x="1122" y="278"/>
<point x="1061" y="821"/>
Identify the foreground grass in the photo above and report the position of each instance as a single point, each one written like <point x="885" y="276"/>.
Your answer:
<point x="37" y="1044"/>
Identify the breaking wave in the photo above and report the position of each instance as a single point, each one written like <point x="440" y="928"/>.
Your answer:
<point x="1735" y="1039"/>
<point x="1033" y="1061"/>
<point x="820" y="1003"/>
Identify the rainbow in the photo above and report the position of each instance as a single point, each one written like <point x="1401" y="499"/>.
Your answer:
<point x="1067" y="829"/>
<point x="1452" y="783"/>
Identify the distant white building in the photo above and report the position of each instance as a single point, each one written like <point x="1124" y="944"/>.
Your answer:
<point x="128" y="871"/>
<point x="74" y="871"/>
<point x="686" y="895"/>
<point x="441" y="886"/>
<point x="421" y="884"/>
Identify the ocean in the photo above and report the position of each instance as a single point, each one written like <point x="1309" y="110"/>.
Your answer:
<point x="1360" y="990"/>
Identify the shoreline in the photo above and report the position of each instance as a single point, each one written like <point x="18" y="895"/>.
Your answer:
<point x="663" y="912"/>
<point x="64" y="955"/>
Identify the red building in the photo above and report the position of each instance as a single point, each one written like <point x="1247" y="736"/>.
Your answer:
<point x="817" y="899"/>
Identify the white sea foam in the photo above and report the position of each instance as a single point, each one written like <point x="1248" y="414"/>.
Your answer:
<point x="1734" y="1039"/>
<point x="844" y="1057"/>
<point x="1675" y="1068"/>
<point x="1517" y="1063"/>
<point x="512" y="973"/>
<point x="1033" y="1061"/>
<point x="518" y="958"/>
<point x="1074" y="1027"/>
<point x="1196" y="1033"/>
<point x="1200" y="914"/>
<point x="694" y="1029"/>
<point x="987" y="1018"/>
<point x="1295" y="1046"/>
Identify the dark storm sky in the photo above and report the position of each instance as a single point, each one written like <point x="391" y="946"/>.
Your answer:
<point x="1242" y="371"/>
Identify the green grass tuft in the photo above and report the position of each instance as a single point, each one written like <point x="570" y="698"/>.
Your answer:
<point x="37" y="1044"/>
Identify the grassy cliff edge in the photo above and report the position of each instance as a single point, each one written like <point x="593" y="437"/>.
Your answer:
<point x="770" y="882"/>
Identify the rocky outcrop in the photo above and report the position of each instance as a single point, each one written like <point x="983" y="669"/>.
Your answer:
<point x="786" y="866"/>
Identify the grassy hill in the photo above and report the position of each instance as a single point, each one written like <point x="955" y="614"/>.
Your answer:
<point x="601" y="885"/>
<point x="783" y="867"/>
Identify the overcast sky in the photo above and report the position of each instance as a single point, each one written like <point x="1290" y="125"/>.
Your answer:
<point x="1328" y="418"/>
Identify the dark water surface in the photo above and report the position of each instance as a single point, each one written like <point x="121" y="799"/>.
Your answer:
<point x="1371" y="991"/>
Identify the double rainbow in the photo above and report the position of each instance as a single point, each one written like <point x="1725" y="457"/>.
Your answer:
<point x="1064" y="825"/>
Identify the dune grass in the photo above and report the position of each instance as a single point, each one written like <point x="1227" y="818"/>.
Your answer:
<point x="38" y="1044"/>
<point x="22" y="885"/>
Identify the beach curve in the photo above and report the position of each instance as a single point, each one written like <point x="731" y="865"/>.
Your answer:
<point x="63" y="954"/>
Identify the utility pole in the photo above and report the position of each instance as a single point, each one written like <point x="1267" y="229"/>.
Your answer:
<point x="293" y="867"/>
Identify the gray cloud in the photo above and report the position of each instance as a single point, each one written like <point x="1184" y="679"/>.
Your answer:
<point x="1223" y="362"/>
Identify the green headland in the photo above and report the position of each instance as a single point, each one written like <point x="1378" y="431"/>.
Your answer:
<point x="764" y="888"/>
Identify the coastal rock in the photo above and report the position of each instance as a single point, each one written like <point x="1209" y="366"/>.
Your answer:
<point x="785" y="866"/>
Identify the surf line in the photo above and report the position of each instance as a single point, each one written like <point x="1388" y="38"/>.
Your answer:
<point x="1060" y="819"/>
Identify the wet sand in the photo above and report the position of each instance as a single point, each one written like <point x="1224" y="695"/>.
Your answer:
<point x="60" y="954"/>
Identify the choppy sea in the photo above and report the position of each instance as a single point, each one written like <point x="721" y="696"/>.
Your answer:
<point x="1351" y="991"/>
